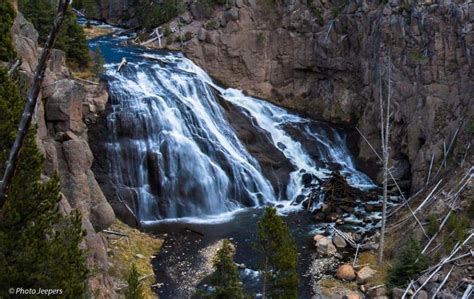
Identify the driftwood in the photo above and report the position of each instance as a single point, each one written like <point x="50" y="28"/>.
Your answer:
<point x="443" y="262"/>
<point x="13" y="67"/>
<point x="115" y="233"/>
<point x="468" y="292"/>
<point x="31" y="102"/>
<point x="405" y="201"/>
<point x="193" y="231"/>
<point x="87" y="81"/>
<point x="122" y="63"/>
<point x="429" y="172"/>
<point x="428" y="197"/>
<point x="443" y="282"/>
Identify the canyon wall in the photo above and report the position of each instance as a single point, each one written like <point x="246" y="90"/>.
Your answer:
<point x="65" y="106"/>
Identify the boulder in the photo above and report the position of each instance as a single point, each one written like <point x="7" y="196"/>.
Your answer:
<point x="397" y="293"/>
<point x="318" y="237"/>
<point x="378" y="292"/>
<point x="338" y="241"/>
<point x="364" y="274"/>
<point x="422" y="295"/>
<point x="351" y="295"/>
<point x="345" y="272"/>
<point x="325" y="247"/>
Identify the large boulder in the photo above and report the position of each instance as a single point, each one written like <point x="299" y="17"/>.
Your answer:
<point x="345" y="272"/>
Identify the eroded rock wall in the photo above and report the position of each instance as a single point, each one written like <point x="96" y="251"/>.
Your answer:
<point x="327" y="59"/>
<point x="62" y="137"/>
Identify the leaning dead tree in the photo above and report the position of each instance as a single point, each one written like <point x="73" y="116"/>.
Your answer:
<point x="30" y="105"/>
<point x="385" y="137"/>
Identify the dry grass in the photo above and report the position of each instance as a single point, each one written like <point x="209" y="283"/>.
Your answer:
<point x="332" y="286"/>
<point x="138" y="248"/>
<point x="370" y="257"/>
<point x="96" y="31"/>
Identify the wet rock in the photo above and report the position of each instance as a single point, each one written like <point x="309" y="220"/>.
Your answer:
<point x="364" y="274"/>
<point x="346" y="272"/>
<point x="338" y="241"/>
<point x="325" y="247"/>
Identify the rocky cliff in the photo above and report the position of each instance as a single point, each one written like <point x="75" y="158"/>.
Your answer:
<point x="62" y="137"/>
<point x="330" y="60"/>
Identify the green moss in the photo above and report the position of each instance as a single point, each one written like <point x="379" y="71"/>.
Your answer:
<point x="316" y="11"/>
<point x="260" y="38"/>
<point x="433" y="225"/>
<point x="418" y="57"/>
<point x="211" y="25"/>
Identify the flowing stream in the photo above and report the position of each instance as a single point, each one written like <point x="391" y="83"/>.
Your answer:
<point x="171" y="144"/>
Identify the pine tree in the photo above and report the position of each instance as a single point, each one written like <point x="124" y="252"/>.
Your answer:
<point x="99" y="61"/>
<point x="226" y="279"/>
<point x="280" y="256"/>
<point x="71" y="39"/>
<point x="7" y="15"/>
<point x="409" y="263"/>
<point x="39" y="248"/>
<point x="135" y="288"/>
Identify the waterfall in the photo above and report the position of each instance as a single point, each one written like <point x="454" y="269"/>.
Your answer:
<point x="171" y="148"/>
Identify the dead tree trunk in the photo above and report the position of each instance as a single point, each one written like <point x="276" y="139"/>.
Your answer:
<point x="31" y="102"/>
<point x="385" y="136"/>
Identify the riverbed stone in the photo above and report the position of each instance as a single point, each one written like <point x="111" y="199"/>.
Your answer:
<point x="346" y="272"/>
<point x="364" y="274"/>
<point x="338" y="241"/>
<point x="325" y="247"/>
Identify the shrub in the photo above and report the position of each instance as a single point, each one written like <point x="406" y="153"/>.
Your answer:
<point x="409" y="263"/>
<point x="99" y="61"/>
<point x="135" y="288"/>
<point x="433" y="225"/>
<point x="458" y="225"/>
<point x="7" y="15"/>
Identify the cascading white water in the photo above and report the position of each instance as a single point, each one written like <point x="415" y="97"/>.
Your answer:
<point x="171" y="149"/>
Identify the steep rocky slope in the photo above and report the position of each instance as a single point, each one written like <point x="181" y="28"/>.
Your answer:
<point x="328" y="59"/>
<point x="62" y="137"/>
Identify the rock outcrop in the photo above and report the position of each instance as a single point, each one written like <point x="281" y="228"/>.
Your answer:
<point x="330" y="60"/>
<point x="62" y="137"/>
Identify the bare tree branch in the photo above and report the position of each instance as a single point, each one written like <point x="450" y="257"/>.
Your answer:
<point x="31" y="102"/>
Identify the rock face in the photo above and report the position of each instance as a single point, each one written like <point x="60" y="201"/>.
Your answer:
<point x="331" y="62"/>
<point x="62" y="137"/>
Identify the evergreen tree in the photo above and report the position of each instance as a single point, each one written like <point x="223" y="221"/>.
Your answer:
<point x="71" y="39"/>
<point x="99" y="61"/>
<point x="409" y="263"/>
<point x="280" y="256"/>
<point x="7" y="15"/>
<point x="135" y="288"/>
<point x="39" y="248"/>
<point x="226" y="279"/>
